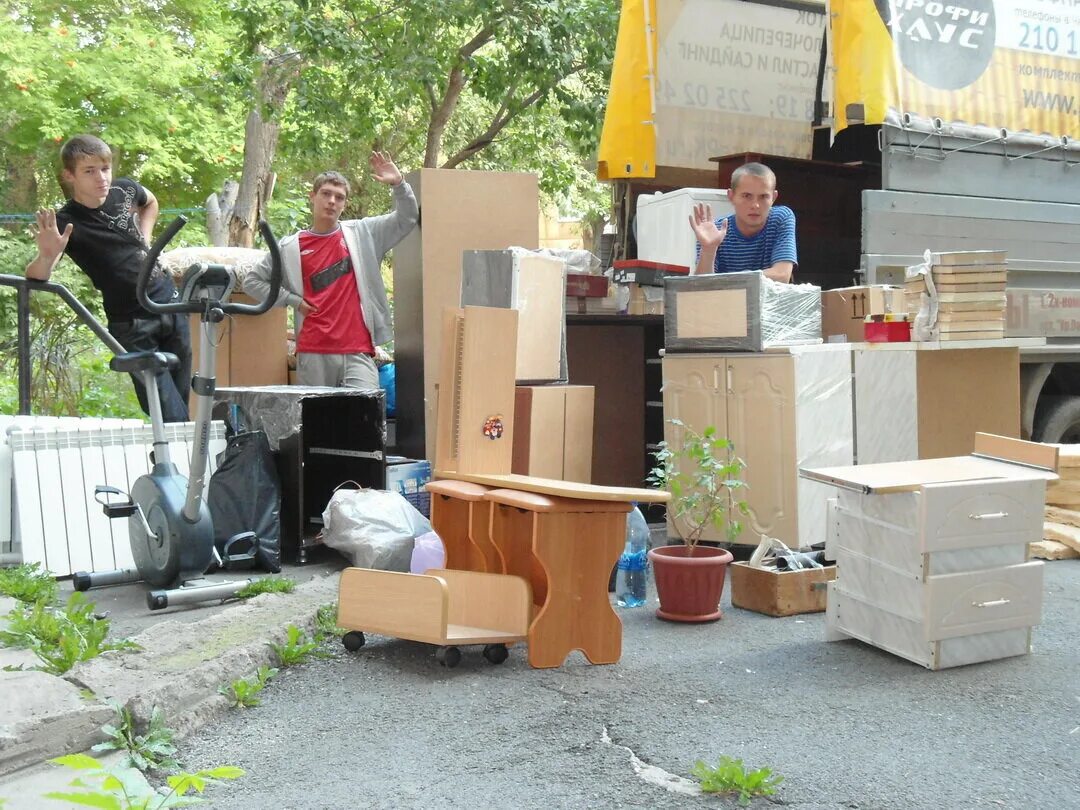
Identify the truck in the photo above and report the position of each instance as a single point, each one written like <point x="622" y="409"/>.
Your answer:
<point x="894" y="127"/>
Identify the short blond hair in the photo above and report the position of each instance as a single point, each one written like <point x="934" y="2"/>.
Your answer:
<point x="83" y="146"/>
<point x="335" y="178"/>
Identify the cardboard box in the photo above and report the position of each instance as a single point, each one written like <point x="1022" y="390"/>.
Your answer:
<point x="645" y="300"/>
<point x="843" y="310"/>
<point x="553" y="434"/>
<point x="408" y="477"/>
<point x="252" y="349"/>
<point x="738" y="312"/>
<point x="779" y="593"/>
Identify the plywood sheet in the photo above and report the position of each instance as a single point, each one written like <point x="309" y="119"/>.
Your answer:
<point x="563" y="489"/>
<point x="963" y="392"/>
<point x="711" y="313"/>
<point x="908" y="476"/>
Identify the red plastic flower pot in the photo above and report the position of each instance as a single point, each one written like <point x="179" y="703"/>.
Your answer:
<point x="689" y="587"/>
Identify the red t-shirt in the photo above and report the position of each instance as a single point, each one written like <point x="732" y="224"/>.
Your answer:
<point x="337" y="325"/>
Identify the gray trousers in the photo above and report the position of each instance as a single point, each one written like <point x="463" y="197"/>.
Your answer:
<point x="337" y="370"/>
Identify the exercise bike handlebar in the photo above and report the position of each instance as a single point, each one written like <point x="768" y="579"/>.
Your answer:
<point x="198" y="306"/>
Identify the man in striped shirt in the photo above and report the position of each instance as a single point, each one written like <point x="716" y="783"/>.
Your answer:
<point x="756" y="237"/>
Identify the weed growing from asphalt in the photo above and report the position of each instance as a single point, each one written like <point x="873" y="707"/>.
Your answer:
<point x="731" y="776"/>
<point x="60" y="637"/>
<point x="242" y="691"/>
<point x="298" y="648"/>
<point x="119" y="788"/>
<point x="28" y="583"/>
<point x="326" y="621"/>
<point x="267" y="585"/>
<point x="153" y="750"/>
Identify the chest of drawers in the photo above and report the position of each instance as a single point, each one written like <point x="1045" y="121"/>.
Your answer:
<point x="937" y="571"/>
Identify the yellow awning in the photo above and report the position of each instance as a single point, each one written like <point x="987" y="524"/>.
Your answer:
<point x="628" y="140"/>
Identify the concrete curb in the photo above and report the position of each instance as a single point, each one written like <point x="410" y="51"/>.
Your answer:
<point x="179" y="670"/>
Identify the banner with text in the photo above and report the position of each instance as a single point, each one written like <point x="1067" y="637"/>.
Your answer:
<point x="1000" y="63"/>
<point x="734" y="77"/>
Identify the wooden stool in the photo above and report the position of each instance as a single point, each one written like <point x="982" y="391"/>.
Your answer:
<point x="565" y="548"/>
<point x="461" y="516"/>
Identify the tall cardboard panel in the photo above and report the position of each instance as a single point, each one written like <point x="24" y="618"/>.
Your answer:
<point x="459" y="210"/>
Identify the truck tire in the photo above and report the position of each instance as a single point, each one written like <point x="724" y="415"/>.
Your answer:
<point x="1059" y="422"/>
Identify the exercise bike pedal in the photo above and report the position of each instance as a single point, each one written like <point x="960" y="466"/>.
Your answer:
<point x="114" y="509"/>
<point x="241" y="552"/>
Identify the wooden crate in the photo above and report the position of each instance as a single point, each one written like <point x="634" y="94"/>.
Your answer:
<point x="779" y="593"/>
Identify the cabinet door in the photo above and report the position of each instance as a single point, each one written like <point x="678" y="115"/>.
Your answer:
<point x="693" y="393"/>
<point x="761" y="423"/>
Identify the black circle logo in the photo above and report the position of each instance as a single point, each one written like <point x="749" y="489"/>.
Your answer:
<point x="947" y="45"/>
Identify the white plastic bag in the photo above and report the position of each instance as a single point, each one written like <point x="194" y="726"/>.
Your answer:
<point x="372" y="528"/>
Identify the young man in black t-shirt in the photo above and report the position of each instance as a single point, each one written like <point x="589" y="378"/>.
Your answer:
<point x="105" y="228"/>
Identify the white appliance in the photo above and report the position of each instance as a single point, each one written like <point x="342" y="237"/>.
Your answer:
<point x="662" y="225"/>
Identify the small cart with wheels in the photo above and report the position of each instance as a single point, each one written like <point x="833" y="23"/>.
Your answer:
<point x="448" y="608"/>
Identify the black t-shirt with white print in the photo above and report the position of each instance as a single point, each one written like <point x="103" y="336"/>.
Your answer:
<point x="106" y="245"/>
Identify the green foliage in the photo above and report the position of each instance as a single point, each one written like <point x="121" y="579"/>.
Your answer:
<point x="152" y="750"/>
<point x="60" y="637"/>
<point x="242" y="692"/>
<point x="731" y="776"/>
<point x="272" y="584"/>
<point x="702" y="473"/>
<point x="297" y="649"/>
<point x="326" y="621"/>
<point x="28" y="583"/>
<point x="70" y="366"/>
<point x="119" y="788"/>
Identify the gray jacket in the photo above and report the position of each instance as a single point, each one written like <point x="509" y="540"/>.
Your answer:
<point x="368" y="240"/>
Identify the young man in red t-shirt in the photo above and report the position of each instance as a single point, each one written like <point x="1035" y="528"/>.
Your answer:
<point x="331" y="276"/>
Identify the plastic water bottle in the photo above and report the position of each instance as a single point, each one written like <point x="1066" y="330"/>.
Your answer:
<point x="632" y="576"/>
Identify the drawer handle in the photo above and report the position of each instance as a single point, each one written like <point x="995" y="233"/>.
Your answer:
<point x="989" y="516"/>
<point x="994" y="603"/>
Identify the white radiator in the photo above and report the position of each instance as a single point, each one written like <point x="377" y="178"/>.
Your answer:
<point x="55" y="520"/>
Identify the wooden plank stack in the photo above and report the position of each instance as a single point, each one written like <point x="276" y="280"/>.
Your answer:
<point x="1061" y="526"/>
<point x="970" y="290"/>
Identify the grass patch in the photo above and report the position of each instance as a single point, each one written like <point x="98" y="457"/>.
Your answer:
<point x="60" y="637"/>
<point x="731" y="776"/>
<point x="28" y="583"/>
<point x="266" y="585"/>
<point x="242" y="692"/>
<point x="151" y="750"/>
<point x="298" y="648"/>
<point x="326" y="621"/>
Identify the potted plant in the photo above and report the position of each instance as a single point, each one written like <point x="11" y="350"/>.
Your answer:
<point x="704" y="477"/>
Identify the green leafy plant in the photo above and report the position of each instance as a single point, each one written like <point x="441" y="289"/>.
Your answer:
<point x="703" y="475"/>
<point x="242" y="691"/>
<point x="119" y="788"/>
<point x="326" y="621"/>
<point x="152" y="750"/>
<point x="267" y="585"/>
<point x="28" y="583"/>
<point x="731" y="776"/>
<point x="297" y="649"/>
<point x="60" y="637"/>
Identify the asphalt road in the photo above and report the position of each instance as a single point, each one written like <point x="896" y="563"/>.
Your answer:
<point x="847" y="725"/>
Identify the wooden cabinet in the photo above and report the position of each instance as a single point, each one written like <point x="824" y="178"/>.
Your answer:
<point x="938" y="575"/>
<point x="780" y="409"/>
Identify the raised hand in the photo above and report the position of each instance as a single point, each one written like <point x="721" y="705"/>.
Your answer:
<point x="50" y="241"/>
<point x="704" y="226"/>
<point x="383" y="168"/>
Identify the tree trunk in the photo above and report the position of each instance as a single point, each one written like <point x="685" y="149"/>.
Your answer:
<point x="20" y="188"/>
<point x="260" y="143"/>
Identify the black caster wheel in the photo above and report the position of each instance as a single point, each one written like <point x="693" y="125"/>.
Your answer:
<point x="449" y="657"/>
<point x="496" y="653"/>
<point x="353" y="640"/>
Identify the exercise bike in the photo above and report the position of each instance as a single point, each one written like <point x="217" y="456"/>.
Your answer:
<point x="169" y="524"/>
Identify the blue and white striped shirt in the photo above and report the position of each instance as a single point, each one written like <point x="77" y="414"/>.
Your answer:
<point x="773" y="243"/>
